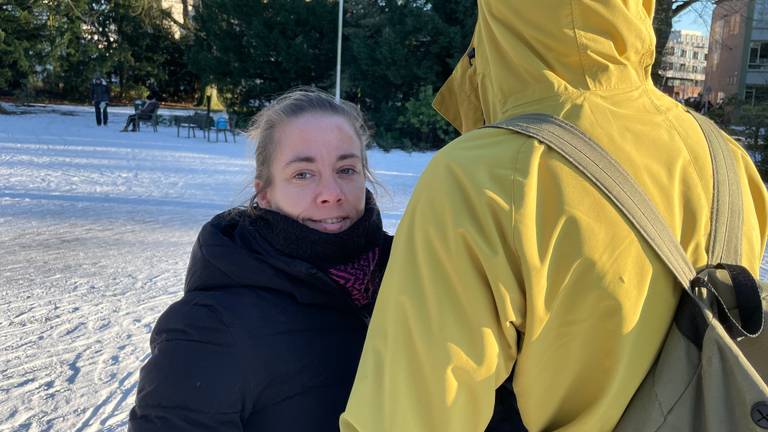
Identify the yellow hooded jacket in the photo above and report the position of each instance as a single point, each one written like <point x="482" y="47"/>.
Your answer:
<point x="508" y="257"/>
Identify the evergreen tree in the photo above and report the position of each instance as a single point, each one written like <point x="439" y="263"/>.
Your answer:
<point x="460" y="17"/>
<point x="254" y="50"/>
<point x="143" y="49"/>
<point x="22" y="27"/>
<point x="399" y="53"/>
<point x="60" y="46"/>
<point x="395" y="55"/>
<point x="71" y="50"/>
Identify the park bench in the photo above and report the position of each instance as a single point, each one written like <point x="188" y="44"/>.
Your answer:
<point x="197" y="120"/>
<point x="151" y="117"/>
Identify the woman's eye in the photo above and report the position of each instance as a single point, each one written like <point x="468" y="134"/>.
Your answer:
<point x="303" y="175"/>
<point x="348" y="171"/>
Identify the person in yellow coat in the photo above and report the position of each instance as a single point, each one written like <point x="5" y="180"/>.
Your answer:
<point x="510" y="270"/>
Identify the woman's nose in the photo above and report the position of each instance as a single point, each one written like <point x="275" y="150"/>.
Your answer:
<point x="330" y="192"/>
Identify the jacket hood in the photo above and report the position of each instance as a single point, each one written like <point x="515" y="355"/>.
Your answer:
<point x="526" y="51"/>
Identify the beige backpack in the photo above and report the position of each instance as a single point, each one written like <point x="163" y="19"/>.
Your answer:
<point x="711" y="372"/>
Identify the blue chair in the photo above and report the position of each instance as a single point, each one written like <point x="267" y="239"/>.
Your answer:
<point x="224" y="125"/>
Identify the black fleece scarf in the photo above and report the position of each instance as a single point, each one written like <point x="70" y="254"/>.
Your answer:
<point x="352" y="258"/>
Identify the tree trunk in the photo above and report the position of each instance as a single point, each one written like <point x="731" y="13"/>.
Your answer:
<point x="662" y="26"/>
<point x="666" y="10"/>
<point x="185" y="12"/>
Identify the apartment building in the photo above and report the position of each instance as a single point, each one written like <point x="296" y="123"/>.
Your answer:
<point x="738" y="51"/>
<point x="684" y="64"/>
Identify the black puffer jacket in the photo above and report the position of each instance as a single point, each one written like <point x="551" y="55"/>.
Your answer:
<point x="261" y="341"/>
<point x="99" y="91"/>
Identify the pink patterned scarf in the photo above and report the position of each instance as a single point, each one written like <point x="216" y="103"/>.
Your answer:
<point x="359" y="278"/>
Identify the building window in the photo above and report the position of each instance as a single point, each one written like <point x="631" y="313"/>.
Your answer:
<point x="756" y="94"/>
<point x="749" y="96"/>
<point x="695" y="55"/>
<point x="682" y="53"/>
<point x="758" y="55"/>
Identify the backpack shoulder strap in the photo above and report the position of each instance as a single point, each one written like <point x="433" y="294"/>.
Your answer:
<point x="612" y="179"/>
<point x="727" y="208"/>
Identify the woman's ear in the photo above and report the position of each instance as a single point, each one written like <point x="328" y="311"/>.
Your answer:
<point x="262" y="196"/>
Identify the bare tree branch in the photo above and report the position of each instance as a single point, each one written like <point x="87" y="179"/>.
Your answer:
<point x="681" y="6"/>
<point x="167" y="14"/>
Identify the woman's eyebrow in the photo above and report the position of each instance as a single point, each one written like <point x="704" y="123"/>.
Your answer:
<point x="300" y="159"/>
<point x="346" y="156"/>
<point x="311" y="159"/>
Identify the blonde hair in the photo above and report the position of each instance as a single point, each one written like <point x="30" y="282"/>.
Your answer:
<point x="289" y="106"/>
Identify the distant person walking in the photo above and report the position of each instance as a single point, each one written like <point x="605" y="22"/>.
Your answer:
<point x="100" y="99"/>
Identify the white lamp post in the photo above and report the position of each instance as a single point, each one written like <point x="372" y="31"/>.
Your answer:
<point x="338" y="54"/>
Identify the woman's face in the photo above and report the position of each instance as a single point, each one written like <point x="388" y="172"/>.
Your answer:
<point x="317" y="173"/>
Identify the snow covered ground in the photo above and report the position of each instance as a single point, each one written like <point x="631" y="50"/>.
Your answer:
<point x="95" y="231"/>
<point x="96" y="228"/>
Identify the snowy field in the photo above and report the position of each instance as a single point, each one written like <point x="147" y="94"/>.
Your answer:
<point x="96" y="228"/>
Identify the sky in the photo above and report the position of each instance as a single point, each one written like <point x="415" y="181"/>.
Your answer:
<point x="697" y="17"/>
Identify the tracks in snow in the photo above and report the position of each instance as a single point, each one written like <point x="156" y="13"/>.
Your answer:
<point x="79" y="300"/>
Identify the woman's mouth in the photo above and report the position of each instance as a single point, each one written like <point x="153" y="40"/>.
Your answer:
<point x="329" y="225"/>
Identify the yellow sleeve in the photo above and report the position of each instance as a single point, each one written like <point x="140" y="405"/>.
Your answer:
<point x="443" y="337"/>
